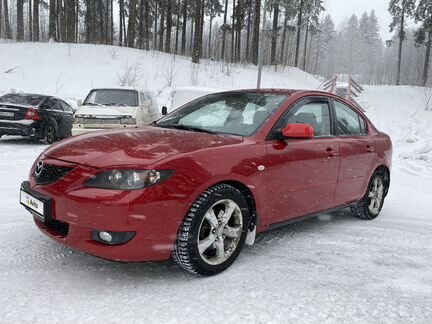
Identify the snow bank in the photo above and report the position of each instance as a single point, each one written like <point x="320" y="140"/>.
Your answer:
<point x="400" y="112"/>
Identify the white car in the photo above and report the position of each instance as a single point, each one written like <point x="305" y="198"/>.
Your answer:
<point x="115" y="108"/>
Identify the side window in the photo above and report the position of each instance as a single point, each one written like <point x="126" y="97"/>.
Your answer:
<point x="56" y="105"/>
<point x="66" y="107"/>
<point x="316" y="114"/>
<point x="348" y="122"/>
<point x="48" y="105"/>
<point x="142" y="97"/>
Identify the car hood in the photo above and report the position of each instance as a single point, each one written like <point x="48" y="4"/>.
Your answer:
<point x="139" y="146"/>
<point x="103" y="111"/>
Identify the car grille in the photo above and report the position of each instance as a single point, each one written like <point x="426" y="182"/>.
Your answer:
<point x="96" y="121"/>
<point x="50" y="174"/>
<point x="56" y="228"/>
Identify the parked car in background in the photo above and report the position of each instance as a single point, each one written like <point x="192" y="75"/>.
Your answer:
<point x="34" y="115"/>
<point x="115" y="108"/>
<point x="203" y="180"/>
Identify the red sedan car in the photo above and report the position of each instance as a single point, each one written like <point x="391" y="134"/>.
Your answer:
<point x="206" y="178"/>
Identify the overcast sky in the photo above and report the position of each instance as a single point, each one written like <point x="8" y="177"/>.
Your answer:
<point x="341" y="10"/>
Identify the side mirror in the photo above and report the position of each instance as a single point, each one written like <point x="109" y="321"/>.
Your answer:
<point x="164" y="110"/>
<point x="79" y="102"/>
<point x="305" y="131"/>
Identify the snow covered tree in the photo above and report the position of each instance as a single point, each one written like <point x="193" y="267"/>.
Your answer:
<point x="400" y="11"/>
<point x="325" y="44"/>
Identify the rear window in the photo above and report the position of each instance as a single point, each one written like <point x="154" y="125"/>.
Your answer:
<point x="112" y="97"/>
<point x="22" y="99"/>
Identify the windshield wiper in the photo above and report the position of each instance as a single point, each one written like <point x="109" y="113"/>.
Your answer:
<point x="91" y="104"/>
<point x="187" y="128"/>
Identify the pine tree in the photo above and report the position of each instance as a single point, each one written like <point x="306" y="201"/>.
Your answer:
<point x="35" y="20"/>
<point x="197" y="41"/>
<point x="256" y="31"/>
<point x="213" y="9"/>
<point x="8" y="33"/>
<point x="423" y="15"/>
<point x="400" y="11"/>
<point x="20" y="20"/>
<point x="275" y="32"/>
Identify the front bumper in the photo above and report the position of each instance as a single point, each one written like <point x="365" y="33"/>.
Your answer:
<point x="77" y="212"/>
<point x="19" y="127"/>
<point x="80" y="129"/>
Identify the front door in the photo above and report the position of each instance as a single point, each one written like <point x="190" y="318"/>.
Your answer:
<point x="302" y="173"/>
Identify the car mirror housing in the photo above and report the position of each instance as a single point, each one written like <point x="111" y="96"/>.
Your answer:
<point x="301" y="131"/>
<point x="164" y="110"/>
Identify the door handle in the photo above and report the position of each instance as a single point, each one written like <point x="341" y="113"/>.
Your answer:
<point x="330" y="153"/>
<point x="370" y="148"/>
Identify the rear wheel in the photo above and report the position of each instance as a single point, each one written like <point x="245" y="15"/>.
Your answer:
<point x="50" y="134"/>
<point x="369" y="207"/>
<point x="213" y="232"/>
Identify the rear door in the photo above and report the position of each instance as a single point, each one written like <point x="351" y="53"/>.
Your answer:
<point x="357" y="151"/>
<point x="302" y="173"/>
<point x="67" y="117"/>
<point x="54" y="111"/>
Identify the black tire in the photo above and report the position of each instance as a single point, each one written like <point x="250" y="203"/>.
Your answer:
<point x="186" y="252"/>
<point x="366" y="209"/>
<point x="50" y="134"/>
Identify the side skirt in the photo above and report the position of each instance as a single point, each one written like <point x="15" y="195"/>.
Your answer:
<point x="302" y="218"/>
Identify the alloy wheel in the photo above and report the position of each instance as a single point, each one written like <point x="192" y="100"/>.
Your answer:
<point x="220" y="232"/>
<point x="376" y="195"/>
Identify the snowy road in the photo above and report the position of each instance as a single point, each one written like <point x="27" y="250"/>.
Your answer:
<point x="335" y="269"/>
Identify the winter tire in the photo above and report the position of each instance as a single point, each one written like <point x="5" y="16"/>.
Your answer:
<point x="213" y="232"/>
<point x="369" y="207"/>
<point x="49" y="134"/>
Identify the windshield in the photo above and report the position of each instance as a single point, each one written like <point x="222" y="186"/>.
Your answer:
<point x="22" y="99"/>
<point x="111" y="97"/>
<point x="236" y="113"/>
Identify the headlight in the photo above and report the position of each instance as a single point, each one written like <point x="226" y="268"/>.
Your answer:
<point x="128" y="121"/>
<point x="78" y="120"/>
<point x="127" y="179"/>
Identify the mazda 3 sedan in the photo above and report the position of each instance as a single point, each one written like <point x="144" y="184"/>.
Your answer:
<point x="204" y="180"/>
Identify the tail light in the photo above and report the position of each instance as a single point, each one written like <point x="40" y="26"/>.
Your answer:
<point x="32" y="114"/>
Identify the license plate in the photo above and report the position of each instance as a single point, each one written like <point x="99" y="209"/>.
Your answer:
<point x="33" y="203"/>
<point x="6" y="114"/>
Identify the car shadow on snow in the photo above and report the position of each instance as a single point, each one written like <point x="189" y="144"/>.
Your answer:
<point x="315" y="228"/>
<point x="18" y="140"/>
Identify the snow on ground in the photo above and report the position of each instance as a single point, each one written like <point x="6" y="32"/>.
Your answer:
<point x="334" y="269"/>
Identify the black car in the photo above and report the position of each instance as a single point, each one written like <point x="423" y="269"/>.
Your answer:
<point x="43" y="117"/>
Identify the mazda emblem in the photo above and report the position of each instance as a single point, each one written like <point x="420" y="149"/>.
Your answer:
<point x="39" y="168"/>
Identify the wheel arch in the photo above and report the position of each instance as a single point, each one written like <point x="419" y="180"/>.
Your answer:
<point x="386" y="171"/>
<point x="250" y="199"/>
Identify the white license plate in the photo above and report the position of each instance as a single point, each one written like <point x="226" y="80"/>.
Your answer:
<point x="6" y="114"/>
<point x="33" y="203"/>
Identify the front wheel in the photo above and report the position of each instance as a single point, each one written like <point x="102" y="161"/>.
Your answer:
<point x="213" y="232"/>
<point x="369" y="207"/>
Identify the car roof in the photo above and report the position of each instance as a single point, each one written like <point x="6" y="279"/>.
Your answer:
<point x="24" y="94"/>
<point x="119" y="88"/>
<point x="288" y="92"/>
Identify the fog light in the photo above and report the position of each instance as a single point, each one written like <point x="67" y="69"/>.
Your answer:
<point x="105" y="236"/>
<point x="112" y="238"/>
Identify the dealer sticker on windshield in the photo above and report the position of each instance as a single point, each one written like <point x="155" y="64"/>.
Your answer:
<point x="33" y="203"/>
